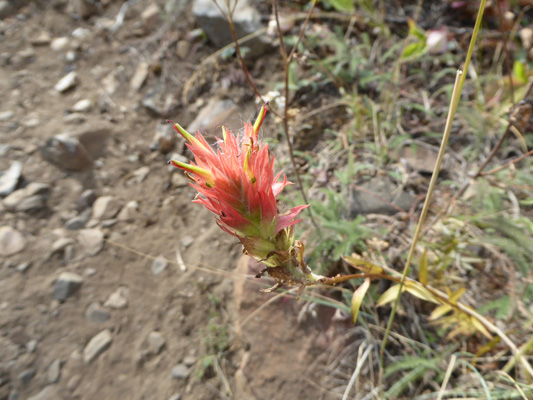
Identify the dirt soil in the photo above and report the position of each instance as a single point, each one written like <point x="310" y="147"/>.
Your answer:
<point x="164" y="328"/>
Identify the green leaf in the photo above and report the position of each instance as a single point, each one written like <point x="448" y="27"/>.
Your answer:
<point x="357" y="298"/>
<point x="415" y="31"/>
<point x="363" y="265"/>
<point x="519" y="71"/>
<point x="413" y="51"/>
<point x="389" y="295"/>
<point x="342" y="5"/>
<point x="420" y="291"/>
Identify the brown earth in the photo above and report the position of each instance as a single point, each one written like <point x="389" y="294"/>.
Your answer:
<point x="198" y="312"/>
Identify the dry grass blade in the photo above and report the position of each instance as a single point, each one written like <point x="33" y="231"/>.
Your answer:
<point x="449" y="370"/>
<point x="359" y="366"/>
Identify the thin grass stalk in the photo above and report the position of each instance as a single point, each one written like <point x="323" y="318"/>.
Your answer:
<point x="449" y="370"/>
<point x="453" y="107"/>
<point x="456" y="94"/>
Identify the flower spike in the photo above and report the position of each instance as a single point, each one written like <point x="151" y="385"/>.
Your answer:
<point x="237" y="183"/>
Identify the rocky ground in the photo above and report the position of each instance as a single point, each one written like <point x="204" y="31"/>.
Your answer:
<point x="113" y="285"/>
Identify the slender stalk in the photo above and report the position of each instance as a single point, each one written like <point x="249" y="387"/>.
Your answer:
<point x="286" y="65"/>
<point x="453" y="107"/>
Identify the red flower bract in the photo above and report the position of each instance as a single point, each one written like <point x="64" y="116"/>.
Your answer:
<point x="236" y="182"/>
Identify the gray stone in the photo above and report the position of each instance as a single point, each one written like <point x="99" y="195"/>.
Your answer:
<point x="187" y="241"/>
<point x="10" y="178"/>
<point x="216" y="113"/>
<point x="42" y="40"/>
<point x="129" y="211"/>
<point x="180" y="371"/>
<point x="97" y="345"/>
<point x="74" y="118"/>
<point x="156" y="342"/>
<point x="379" y="196"/>
<point x="66" y="285"/>
<point x="139" y="77"/>
<point x="94" y="139"/>
<point x="175" y="396"/>
<point x="73" y="382"/>
<point x="159" y="265"/>
<point x="420" y="158"/>
<point x="165" y="138"/>
<point x="118" y="299"/>
<point x="86" y="200"/>
<point x="178" y="179"/>
<point x="6" y="115"/>
<point x="77" y="222"/>
<point x="26" y="376"/>
<point x="82" y="106"/>
<point x="105" y="207"/>
<point x="50" y="392"/>
<point x="27" y="199"/>
<point x="85" y="8"/>
<point x="59" y="44"/>
<point x="31" y="346"/>
<point x="66" y="152"/>
<point x="23" y="267"/>
<point x="96" y="313"/>
<point x="150" y="17"/>
<point x="61" y="244"/>
<point x="182" y="49"/>
<point x="31" y="204"/>
<point x="92" y="241"/>
<point x="189" y="361"/>
<point x="141" y="173"/>
<point x="6" y="9"/>
<point x="246" y="19"/>
<point x="13" y="395"/>
<point x="11" y="241"/>
<point x="81" y="33"/>
<point x="54" y="371"/>
<point x="67" y="82"/>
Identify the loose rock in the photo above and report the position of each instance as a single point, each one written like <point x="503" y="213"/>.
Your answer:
<point x="129" y="211"/>
<point x="159" y="265"/>
<point x="50" y="392"/>
<point x="66" y="152"/>
<point x="23" y="267"/>
<point x="156" y="342"/>
<point x="246" y="19"/>
<point x="82" y="106"/>
<point x="67" y="82"/>
<point x="6" y="115"/>
<point x="10" y="178"/>
<point x="105" y="207"/>
<point x="165" y="138"/>
<point x="59" y="44"/>
<point x="186" y="241"/>
<point x="96" y="313"/>
<point x="30" y="198"/>
<point x="139" y="77"/>
<point x="150" y="17"/>
<point x="66" y="285"/>
<point x="97" y="345"/>
<point x="380" y="196"/>
<point x="11" y="241"/>
<point x="26" y="376"/>
<point x="54" y="371"/>
<point x="213" y="115"/>
<point x="118" y="299"/>
<point x="86" y="200"/>
<point x="180" y="371"/>
<point x="92" y="241"/>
